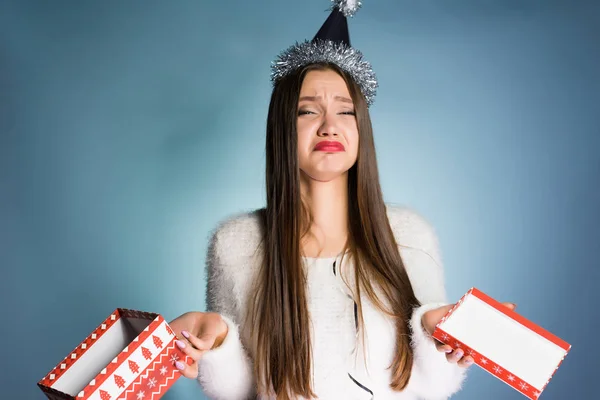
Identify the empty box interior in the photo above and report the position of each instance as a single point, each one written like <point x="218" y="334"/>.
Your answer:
<point x="505" y="341"/>
<point x="100" y="354"/>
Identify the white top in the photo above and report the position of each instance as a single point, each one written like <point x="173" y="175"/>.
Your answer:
<point x="338" y="368"/>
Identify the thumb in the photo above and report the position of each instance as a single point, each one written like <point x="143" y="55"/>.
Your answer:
<point x="443" y="310"/>
<point x="438" y="313"/>
<point x="511" y="306"/>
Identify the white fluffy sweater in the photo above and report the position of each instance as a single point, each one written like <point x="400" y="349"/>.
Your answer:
<point x="338" y="365"/>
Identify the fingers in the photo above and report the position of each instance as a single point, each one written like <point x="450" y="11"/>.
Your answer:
<point x="511" y="306"/>
<point x="203" y="343"/>
<point x="194" y="347"/>
<point x="189" y="371"/>
<point x="457" y="356"/>
<point x="188" y="349"/>
<point x="466" y="361"/>
<point x="454" y="356"/>
<point x="441" y="347"/>
<point x="445" y="349"/>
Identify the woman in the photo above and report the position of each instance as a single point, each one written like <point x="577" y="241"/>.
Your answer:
<point x="327" y="292"/>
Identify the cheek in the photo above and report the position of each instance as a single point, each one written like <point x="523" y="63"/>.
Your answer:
<point x="353" y="139"/>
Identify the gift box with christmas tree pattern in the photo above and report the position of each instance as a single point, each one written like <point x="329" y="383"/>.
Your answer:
<point x="129" y="356"/>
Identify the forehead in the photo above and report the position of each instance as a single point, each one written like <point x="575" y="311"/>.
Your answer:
<point x="324" y="82"/>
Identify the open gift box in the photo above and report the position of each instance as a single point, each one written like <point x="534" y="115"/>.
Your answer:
<point x="502" y="342"/>
<point x="131" y="355"/>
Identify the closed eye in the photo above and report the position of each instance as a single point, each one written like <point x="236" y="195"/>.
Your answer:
<point x="307" y="112"/>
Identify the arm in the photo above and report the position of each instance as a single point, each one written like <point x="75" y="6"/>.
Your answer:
<point x="225" y="373"/>
<point x="433" y="377"/>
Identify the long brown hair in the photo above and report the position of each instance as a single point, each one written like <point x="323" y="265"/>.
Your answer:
<point x="278" y="311"/>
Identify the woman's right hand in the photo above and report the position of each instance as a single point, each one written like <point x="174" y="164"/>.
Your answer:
<point x="197" y="333"/>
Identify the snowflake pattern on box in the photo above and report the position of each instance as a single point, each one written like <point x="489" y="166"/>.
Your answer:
<point x="489" y="366"/>
<point x="156" y="379"/>
<point x="153" y="345"/>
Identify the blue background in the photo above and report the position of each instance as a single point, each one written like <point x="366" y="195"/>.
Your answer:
<point x="128" y="129"/>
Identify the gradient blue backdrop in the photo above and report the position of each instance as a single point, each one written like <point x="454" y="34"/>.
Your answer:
<point x="128" y="129"/>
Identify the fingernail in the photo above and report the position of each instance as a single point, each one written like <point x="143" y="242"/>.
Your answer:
<point x="449" y="350"/>
<point x="185" y="334"/>
<point x="469" y="361"/>
<point x="459" y="353"/>
<point x="180" y="344"/>
<point x="179" y="365"/>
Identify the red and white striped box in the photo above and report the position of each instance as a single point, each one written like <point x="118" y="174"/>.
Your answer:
<point x="130" y="356"/>
<point x="502" y="342"/>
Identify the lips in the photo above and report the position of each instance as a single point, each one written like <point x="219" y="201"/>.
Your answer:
<point x="329" y="146"/>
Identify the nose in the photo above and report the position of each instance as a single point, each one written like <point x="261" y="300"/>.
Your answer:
<point x="328" y="126"/>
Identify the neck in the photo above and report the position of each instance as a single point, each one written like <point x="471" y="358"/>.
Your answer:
<point x="328" y="205"/>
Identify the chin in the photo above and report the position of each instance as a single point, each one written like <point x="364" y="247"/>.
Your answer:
<point x="326" y="176"/>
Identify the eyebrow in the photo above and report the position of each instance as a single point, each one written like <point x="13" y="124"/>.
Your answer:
<point x="315" y="98"/>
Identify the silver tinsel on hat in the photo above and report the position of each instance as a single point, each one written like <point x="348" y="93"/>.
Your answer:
<point x="330" y="45"/>
<point x="347" y="58"/>
<point x="347" y="7"/>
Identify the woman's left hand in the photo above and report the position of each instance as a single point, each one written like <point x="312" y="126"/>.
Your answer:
<point x="432" y="317"/>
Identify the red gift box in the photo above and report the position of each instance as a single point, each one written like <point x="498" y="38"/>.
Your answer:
<point x="130" y="356"/>
<point x="502" y="342"/>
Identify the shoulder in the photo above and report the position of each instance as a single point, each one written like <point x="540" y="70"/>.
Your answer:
<point x="411" y="229"/>
<point x="420" y="252"/>
<point x="236" y="236"/>
<point x="229" y="262"/>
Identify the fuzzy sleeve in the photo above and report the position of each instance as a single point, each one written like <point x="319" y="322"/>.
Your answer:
<point x="433" y="377"/>
<point x="225" y="373"/>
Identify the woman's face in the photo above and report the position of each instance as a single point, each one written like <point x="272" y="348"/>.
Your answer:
<point x="327" y="129"/>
